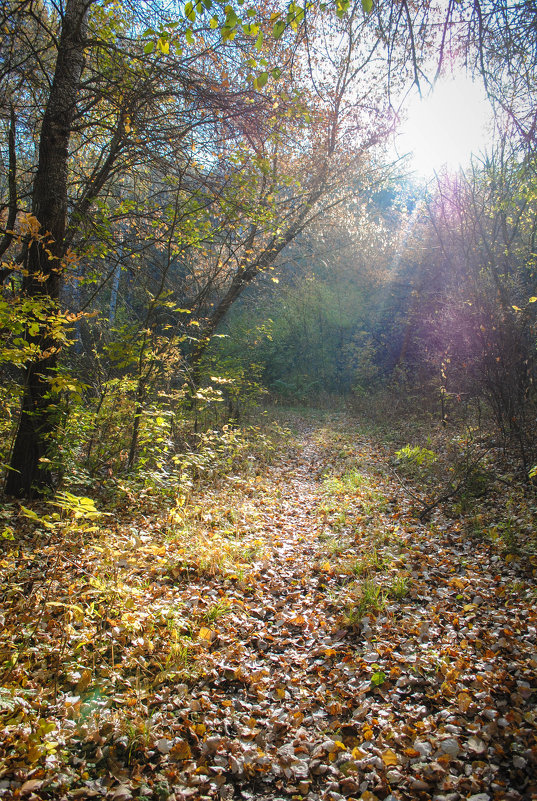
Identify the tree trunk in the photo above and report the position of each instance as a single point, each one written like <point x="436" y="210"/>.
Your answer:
<point x="30" y="472"/>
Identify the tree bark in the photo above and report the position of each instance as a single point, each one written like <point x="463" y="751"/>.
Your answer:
<point x="12" y="186"/>
<point x="32" y="452"/>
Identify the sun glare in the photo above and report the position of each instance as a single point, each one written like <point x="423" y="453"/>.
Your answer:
<point x="443" y="129"/>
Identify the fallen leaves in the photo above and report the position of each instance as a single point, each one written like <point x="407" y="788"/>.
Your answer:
<point x="299" y="635"/>
<point x="389" y="757"/>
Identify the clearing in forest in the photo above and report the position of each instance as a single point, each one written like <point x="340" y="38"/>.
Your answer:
<point x="293" y="631"/>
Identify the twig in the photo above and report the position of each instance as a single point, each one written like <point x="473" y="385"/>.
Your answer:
<point x="453" y="491"/>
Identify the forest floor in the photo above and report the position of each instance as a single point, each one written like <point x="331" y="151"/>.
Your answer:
<point x="291" y="630"/>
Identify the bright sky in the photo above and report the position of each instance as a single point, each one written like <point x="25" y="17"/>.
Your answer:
<point x="446" y="126"/>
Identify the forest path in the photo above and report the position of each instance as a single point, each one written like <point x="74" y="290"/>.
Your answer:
<point x="367" y="655"/>
<point x="291" y="630"/>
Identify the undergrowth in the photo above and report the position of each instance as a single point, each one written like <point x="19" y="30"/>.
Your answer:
<point x="204" y="521"/>
<point x="133" y="619"/>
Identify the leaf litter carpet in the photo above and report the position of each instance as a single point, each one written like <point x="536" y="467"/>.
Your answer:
<point x="328" y="647"/>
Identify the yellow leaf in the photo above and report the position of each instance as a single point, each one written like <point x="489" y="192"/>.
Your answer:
<point x="181" y="750"/>
<point x="464" y="701"/>
<point x="533" y="300"/>
<point x="205" y="634"/>
<point x="50" y="745"/>
<point x="389" y="757"/>
<point x="367" y="732"/>
<point x="34" y="754"/>
<point x="356" y="753"/>
<point x="156" y="550"/>
<point x="325" y="567"/>
<point x="341" y="746"/>
<point x="299" y="620"/>
<point x="84" y="681"/>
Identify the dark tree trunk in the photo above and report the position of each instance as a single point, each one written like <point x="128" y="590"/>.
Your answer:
<point x="30" y="472"/>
